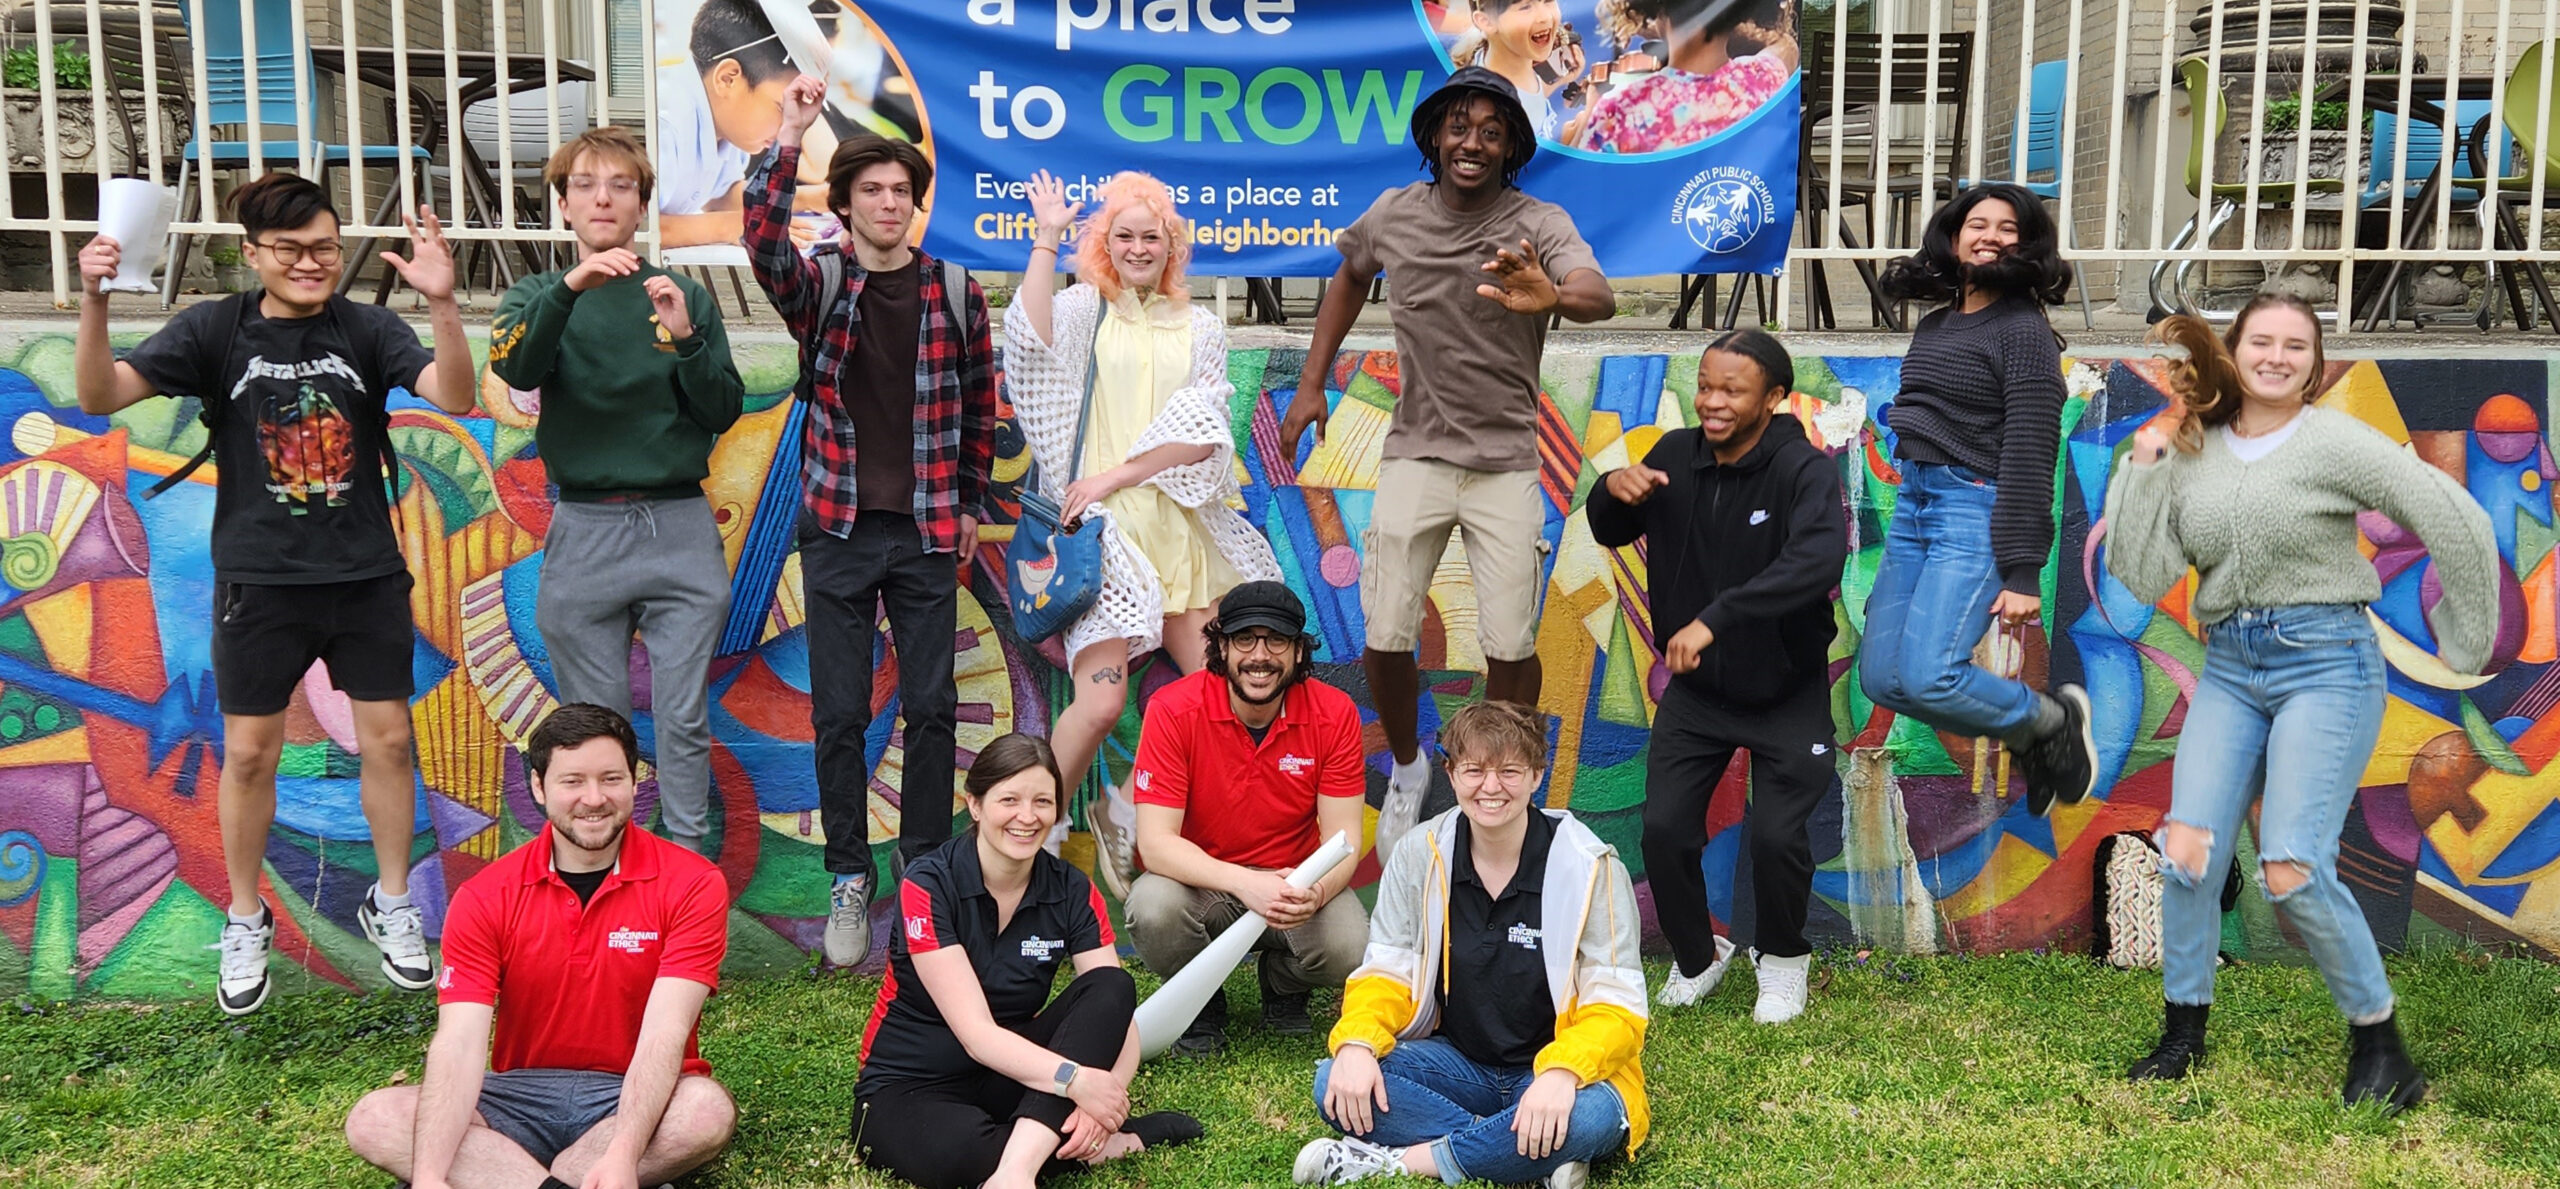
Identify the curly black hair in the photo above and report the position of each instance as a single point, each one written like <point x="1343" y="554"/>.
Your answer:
<point x="2034" y="268"/>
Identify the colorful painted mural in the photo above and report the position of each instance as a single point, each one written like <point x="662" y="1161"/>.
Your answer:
<point x="110" y="865"/>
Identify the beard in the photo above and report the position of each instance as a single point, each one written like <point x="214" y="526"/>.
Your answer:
<point x="1282" y="676"/>
<point x="590" y="836"/>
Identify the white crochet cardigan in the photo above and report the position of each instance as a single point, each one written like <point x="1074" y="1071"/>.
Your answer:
<point x="1046" y="380"/>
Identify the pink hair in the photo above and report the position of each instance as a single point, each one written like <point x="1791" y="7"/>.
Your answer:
<point x="1126" y="191"/>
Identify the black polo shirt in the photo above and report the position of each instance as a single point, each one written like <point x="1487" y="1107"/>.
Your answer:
<point x="943" y="901"/>
<point x="1497" y="955"/>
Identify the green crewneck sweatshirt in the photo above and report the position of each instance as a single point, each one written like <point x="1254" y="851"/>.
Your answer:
<point x="627" y="409"/>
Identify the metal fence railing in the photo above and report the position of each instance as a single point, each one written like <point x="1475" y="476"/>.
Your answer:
<point x="2364" y="152"/>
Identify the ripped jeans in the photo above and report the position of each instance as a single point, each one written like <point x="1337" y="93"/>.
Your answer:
<point x="2288" y="708"/>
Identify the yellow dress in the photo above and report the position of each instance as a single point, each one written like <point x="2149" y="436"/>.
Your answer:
<point x="1142" y="355"/>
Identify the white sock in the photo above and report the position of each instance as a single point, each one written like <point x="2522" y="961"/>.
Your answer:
<point x="1407" y="775"/>
<point x="1799" y="962"/>
<point x="385" y="900"/>
<point x="256" y="922"/>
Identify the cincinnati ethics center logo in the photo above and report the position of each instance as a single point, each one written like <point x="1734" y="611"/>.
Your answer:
<point x="1722" y="208"/>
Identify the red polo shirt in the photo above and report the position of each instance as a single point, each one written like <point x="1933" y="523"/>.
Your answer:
<point x="571" y="982"/>
<point x="1247" y="803"/>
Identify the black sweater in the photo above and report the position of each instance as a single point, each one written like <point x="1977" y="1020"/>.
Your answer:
<point x="1984" y="390"/>
<point x="1752" y="549"/>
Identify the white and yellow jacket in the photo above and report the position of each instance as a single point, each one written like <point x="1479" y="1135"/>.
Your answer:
<point x="1597" y="984"/>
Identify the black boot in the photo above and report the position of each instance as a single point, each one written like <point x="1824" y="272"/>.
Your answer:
<point x="2380" y="1070"/>
<point x="1207" y="1035"/>
<point x="2181" y="1046"/>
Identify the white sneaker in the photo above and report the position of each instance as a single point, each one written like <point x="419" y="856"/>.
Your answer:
<point x="1572" y="1174"/>
<point x="1681" y="990"/>
<point x="848" y="939"/>
<point x="1340" y="1161"/>
<point x="1114" y="822"/>
<point x="1782" y="987"/>
<point x="401" y="934"/>
<point x="1402" y="808"/>
<point x="242" y="986"/>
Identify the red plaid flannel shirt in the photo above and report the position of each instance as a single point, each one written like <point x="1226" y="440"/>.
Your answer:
<point x="955" y="395"/>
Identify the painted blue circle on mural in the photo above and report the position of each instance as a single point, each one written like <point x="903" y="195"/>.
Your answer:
<point x="22" y="860"/>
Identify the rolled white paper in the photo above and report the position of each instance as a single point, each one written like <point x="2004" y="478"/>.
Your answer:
<point x="135" y="212"/>
<point x="1171" y="1009"/>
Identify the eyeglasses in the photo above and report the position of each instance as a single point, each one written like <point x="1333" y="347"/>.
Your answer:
<point x="1259" y="642"/>
<point x="1511" y="775"/>
<point x="289" y="253"/>
<point x="580" y="183"/>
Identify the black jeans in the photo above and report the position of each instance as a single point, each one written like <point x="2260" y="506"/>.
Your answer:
<point x="951" y="1132"/>
<point x="1792" y="753"/>
<point x="845" y="581"/>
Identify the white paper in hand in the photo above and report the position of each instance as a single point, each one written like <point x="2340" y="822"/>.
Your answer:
<point x="136" y="213"/>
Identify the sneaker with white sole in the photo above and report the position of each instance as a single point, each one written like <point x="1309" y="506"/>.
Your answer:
<point x="1572" y="1174"/>
<point x="1114" y="822"/>
<point x="401" y="934"/>
<point x="848" y="939"/>
<point x="1782" y="987"/>
<point x="1681" y="990"/>
<point x="242" y="986"/>
<point x="1401" y="810"/>
<point x="1341" y="1161"/>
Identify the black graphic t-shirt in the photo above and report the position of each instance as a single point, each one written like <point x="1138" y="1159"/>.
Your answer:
<point x="300" y="497"/>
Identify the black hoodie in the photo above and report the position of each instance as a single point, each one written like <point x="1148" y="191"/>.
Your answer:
<point x="1752" y="549"/>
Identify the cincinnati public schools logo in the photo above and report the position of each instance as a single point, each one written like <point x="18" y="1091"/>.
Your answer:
<point x="1722" y="208"/>
<point x="630" y="941"/>
<point x="1296" y="765"/>
<point x="1041" y="949"/>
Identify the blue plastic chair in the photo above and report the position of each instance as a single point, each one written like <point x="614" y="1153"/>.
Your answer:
<point x="225" y="96"/>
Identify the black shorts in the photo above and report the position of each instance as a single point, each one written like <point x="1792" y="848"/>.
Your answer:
<point x="265" y="638"/>
<point x="546" y="1110"/>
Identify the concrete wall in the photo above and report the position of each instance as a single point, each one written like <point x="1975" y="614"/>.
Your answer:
<point x="110" y="870"/>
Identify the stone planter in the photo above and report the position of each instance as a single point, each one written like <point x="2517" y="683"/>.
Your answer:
<point x="79" y="127"/>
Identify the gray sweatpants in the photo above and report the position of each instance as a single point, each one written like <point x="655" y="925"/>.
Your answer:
<point x="654" y="567"/>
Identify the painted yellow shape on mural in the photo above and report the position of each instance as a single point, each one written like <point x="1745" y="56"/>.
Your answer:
<point x="2541" y="641"/>
<point x="2013" y="866"/>
<point x="64" y="747"/>
<point x="2364" y="395"/>
<point x="62" y="621"/>
<point x="1600" y="432"/>
<point x="2419" y="664"/>
<point x="2513" y="803"/>
<point x="739" y="462"/>
<point x="2405" y="729"/>
<point x="1453" y="592"/>
<point x="1347" y="458"/>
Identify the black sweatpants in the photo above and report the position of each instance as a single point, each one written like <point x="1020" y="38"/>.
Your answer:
<point x="846" y="581"/>
<point x="1791" y="748"/>
<point x="951" y="1132"/>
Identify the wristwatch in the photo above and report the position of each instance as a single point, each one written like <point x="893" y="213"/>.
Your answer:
<point x="1066" y="1074"/>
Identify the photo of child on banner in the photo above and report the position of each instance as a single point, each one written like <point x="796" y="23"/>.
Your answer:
<point x="1626" y="76"/>
<point x="721" y="67"/>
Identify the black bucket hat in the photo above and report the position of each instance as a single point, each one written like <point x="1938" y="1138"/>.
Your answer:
<point x="1468" y="82"/>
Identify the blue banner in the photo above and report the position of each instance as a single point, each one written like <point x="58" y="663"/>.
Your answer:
<point x="1671" y="137"/>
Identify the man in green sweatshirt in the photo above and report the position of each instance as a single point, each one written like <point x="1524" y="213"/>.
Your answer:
<point x="626" y="436"/>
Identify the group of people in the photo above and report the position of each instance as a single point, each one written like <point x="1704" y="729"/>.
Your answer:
<point x="1493" y="1002"/>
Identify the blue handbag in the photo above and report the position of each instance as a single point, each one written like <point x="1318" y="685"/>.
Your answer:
<point x="1055" y="572"/>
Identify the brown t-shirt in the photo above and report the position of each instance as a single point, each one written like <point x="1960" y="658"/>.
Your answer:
<point x="1469" y="367"/>
<point x="881" y="376"/>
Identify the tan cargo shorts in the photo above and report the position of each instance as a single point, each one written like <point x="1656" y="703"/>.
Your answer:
<point x="1501" y="518"/>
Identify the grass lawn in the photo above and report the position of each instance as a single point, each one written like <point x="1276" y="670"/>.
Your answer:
<point x="1937" y="1071"/>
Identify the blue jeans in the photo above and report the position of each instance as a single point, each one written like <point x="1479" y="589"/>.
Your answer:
<point x="1930" y="605"/>
<point x="2287" y="710"/>
<point x="1439" y="1096"/>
